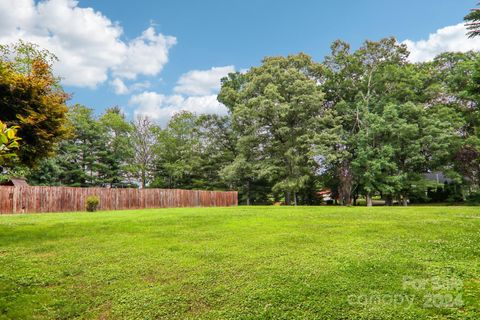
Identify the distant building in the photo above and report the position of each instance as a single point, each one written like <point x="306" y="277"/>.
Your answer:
<point x="437" y="176"/>
<point x="325" y="194"/>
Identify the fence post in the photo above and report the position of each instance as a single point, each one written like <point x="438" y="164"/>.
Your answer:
<point x="14" y="200"/>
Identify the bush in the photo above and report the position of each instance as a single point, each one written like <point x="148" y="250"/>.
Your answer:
<point x="473" y="199"/>
<point x="92" y="203"/>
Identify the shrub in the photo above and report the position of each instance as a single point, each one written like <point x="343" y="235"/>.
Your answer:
<point x="92" y="203"/>
<point x="474" y="199"/>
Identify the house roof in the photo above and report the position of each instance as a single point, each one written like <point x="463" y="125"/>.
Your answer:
<point x="16" y="182"/>
<point x="324" y="192"/>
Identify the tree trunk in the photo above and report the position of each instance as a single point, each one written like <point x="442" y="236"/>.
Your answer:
<point x="404" y="201"/>
<point x="369" y="199"/>
<point x="144" y="178"/>
<point x="345" y="190"/>
<point x="248" y="193"/>
<point x="287" y="198"/>
<point x="295" y="198"/>
<point x="389" y="200"/>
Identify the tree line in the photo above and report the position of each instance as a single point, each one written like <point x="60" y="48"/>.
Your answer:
<point x="110" y="151"/>
<point x="362" y="123"/>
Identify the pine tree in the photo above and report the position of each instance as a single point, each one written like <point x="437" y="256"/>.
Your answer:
<point x="472" y="20"/>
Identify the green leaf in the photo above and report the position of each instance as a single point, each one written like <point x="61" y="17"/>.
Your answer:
<point x="13" y="144"/>
<point x="10" y="134"/>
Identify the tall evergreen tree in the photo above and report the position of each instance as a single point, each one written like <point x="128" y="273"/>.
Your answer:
<point x="96" y="154"/>
<point x="119" y="148"/>
<point x="218" y="149"/>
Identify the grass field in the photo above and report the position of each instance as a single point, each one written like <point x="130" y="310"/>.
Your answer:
<point x="243" y="263"/>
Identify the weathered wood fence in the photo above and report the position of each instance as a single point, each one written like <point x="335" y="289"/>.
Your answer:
<point x="62" y="199"/>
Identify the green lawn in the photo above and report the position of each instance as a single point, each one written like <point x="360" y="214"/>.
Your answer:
<point x="243" y="263"/>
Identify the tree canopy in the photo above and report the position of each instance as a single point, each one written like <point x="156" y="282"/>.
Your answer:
<point x="32" y="99"/>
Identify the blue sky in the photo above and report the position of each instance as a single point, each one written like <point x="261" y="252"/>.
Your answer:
<point x="209" y="34"/>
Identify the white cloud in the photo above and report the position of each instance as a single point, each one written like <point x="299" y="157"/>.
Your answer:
<point x="202" y="82"/>
<point x="138" y="86"/>
<point x="88" y="44"/>
<point x="450" y="38"/>
<point x="161" y="107"/>
<point x="145" y="55"/>
<point x="119" y="86"/>
<point x="195" y="92"/>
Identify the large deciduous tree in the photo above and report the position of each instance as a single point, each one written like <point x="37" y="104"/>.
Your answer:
<point x="274" y="109"/>
<point x="143" y="138"/>
<point x="459" y="77"/>
<point x="354" y="87"/>
<point x="383" y="126"/>
<point x="32" y="99"/>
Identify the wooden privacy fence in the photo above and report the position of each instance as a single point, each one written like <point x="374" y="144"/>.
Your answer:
<point x="62" y="199"/>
